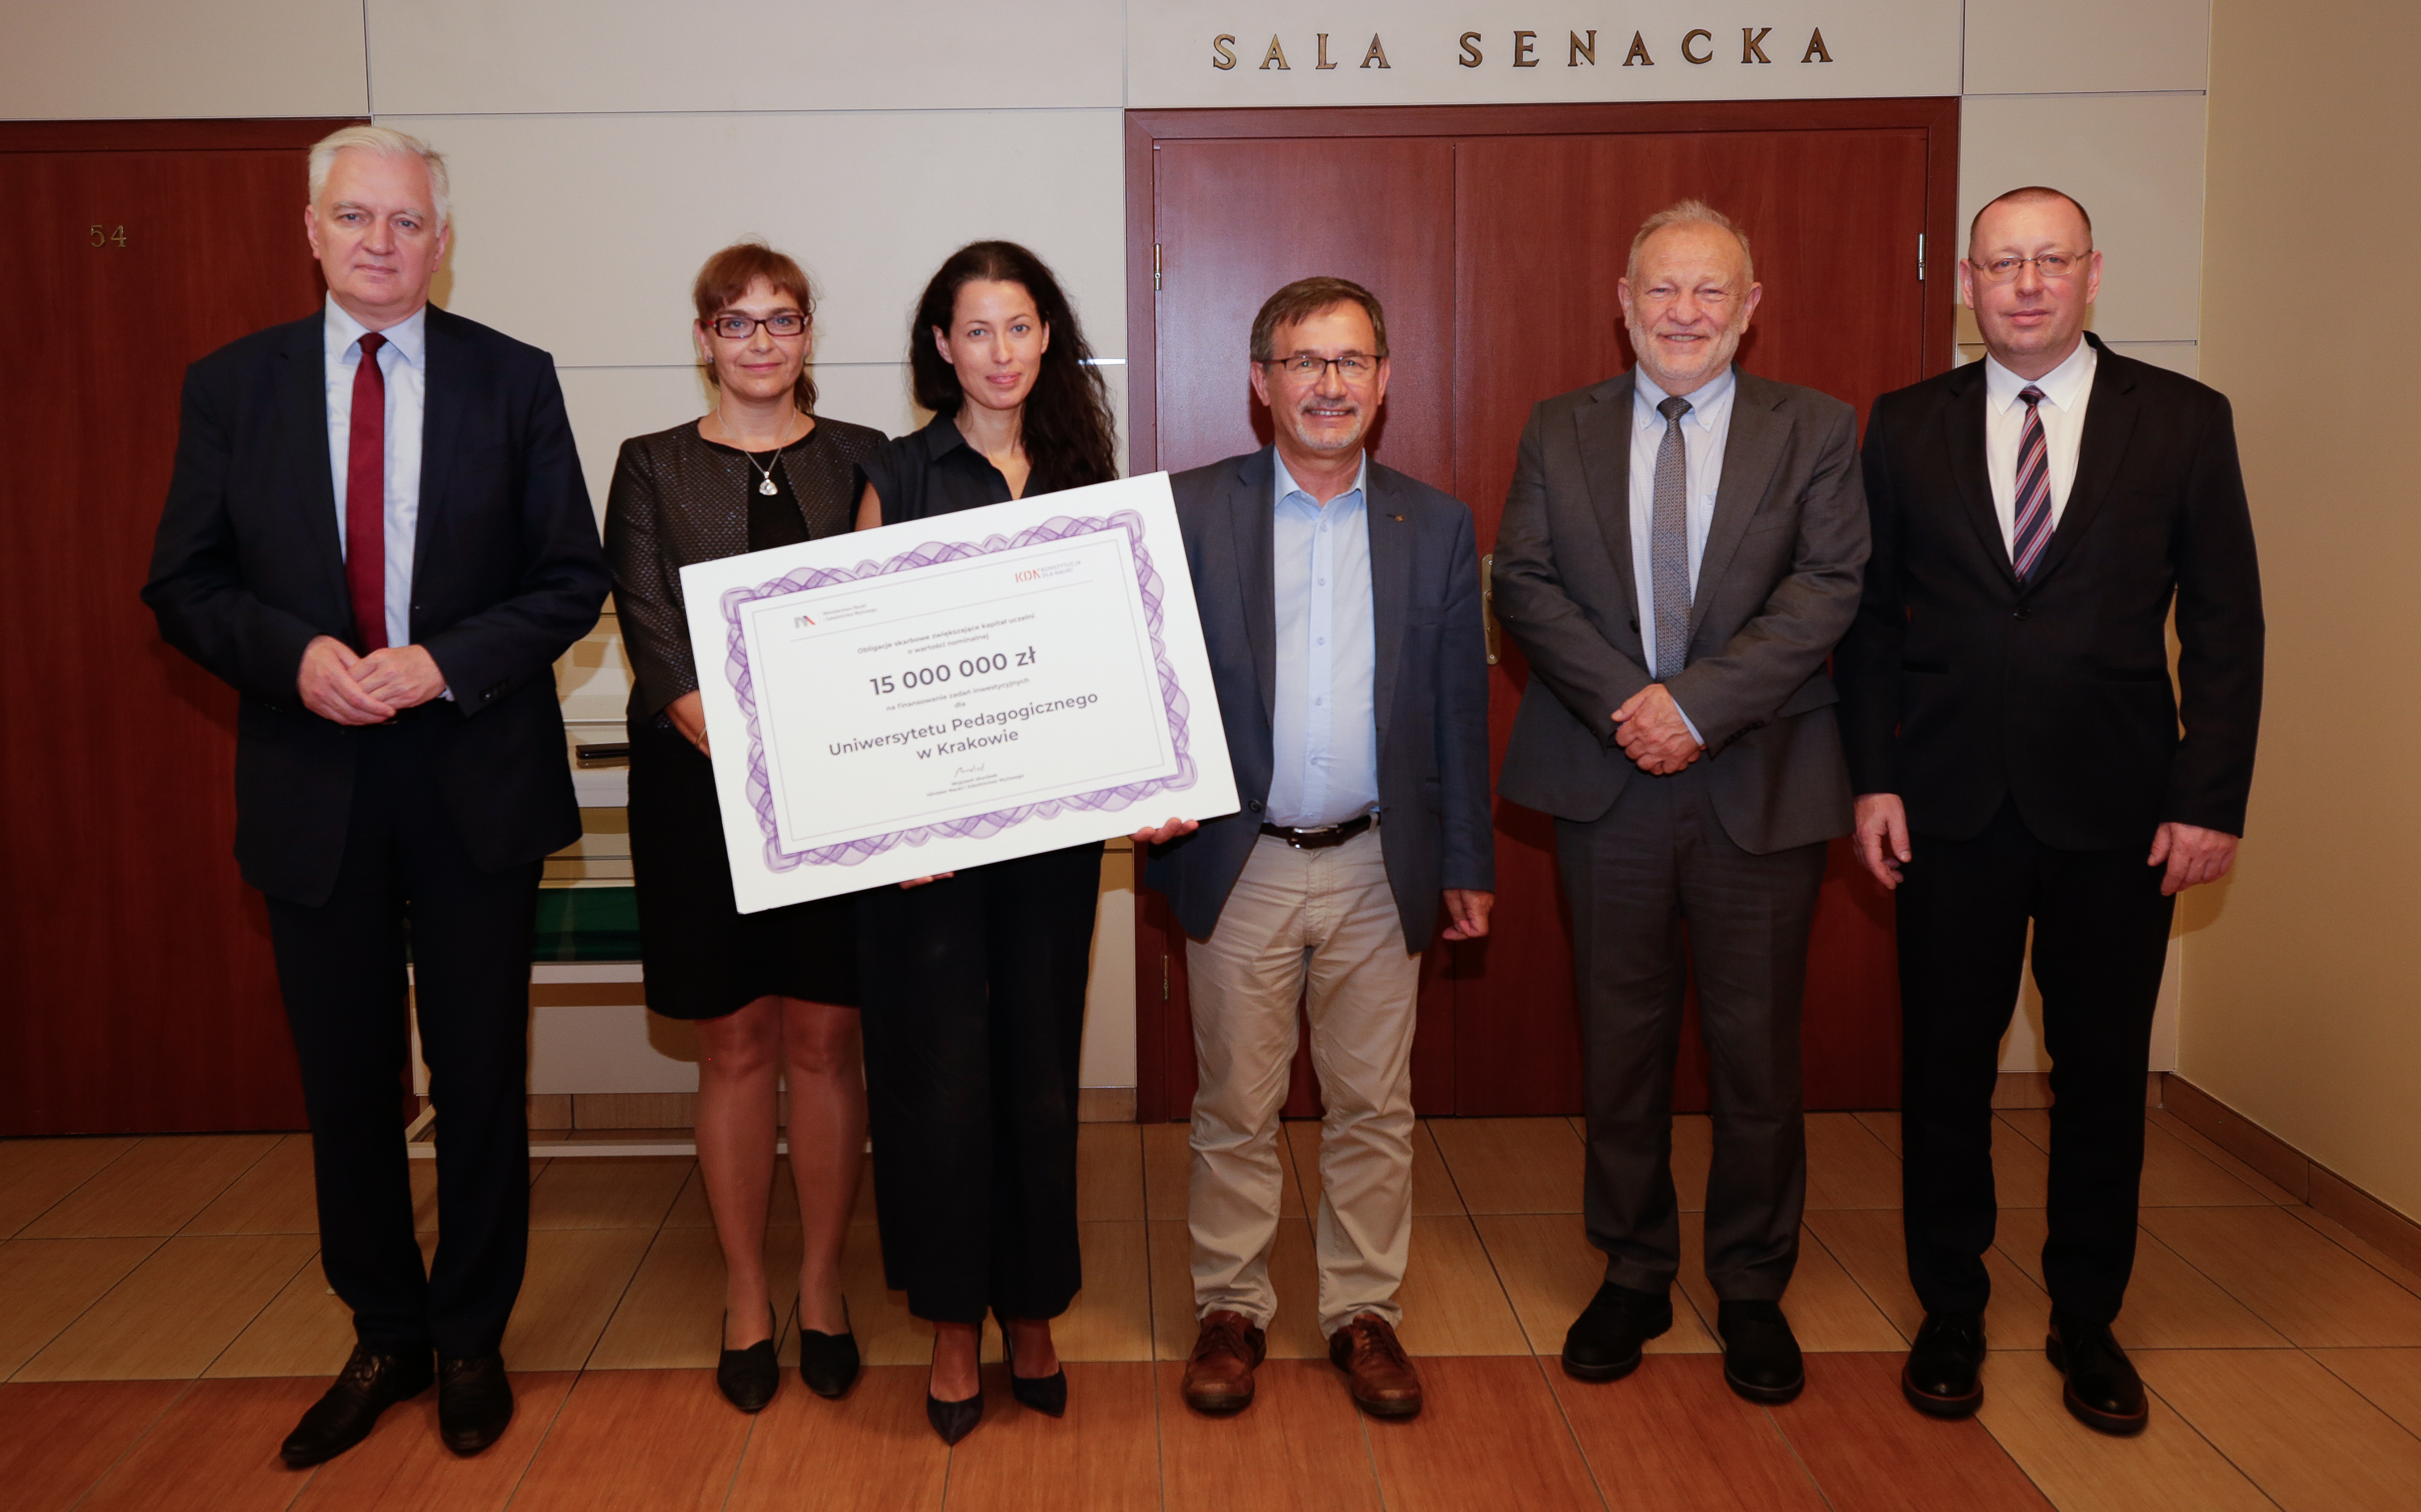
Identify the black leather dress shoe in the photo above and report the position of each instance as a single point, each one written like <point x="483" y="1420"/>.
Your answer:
<point x="2103" y="1392"/>
<point x="475" y="1401"/>
<point x="1603" y="1343"/>
<point x="369" y="1385"/>
<point x="1944" y="1377"/>
<point x="1760" y="1357"/>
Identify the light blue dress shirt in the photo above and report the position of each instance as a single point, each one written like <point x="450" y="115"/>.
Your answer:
<point x="404" y="361"/>
<point x="1324" y="740"/>
<point x="1703" y="430"/>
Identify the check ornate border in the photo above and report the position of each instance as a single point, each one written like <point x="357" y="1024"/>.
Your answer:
<point x="979" y="826"/>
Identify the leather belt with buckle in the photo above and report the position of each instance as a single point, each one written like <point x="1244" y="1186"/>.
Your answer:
<point x="1322" y="836"/>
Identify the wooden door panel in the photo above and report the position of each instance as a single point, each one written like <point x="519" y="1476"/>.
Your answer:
<point x="1543" y="228"/>
<point x="1237" y="221"/>
<point x="136" y="987"/>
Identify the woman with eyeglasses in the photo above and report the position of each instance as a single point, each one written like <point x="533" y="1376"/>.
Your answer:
<point x="975" y="981"/>
<point x="773" y="993"/>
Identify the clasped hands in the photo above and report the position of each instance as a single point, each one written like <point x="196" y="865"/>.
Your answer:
<point x="2188" y="854"/>
<point x="1649" y="728"/>
<point x="346" y="689"/>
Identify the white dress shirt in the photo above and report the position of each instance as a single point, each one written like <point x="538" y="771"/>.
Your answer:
<point x="1705" y="428"/>
<point x="404" y="361"/>
<point x="1324" y="734"/>
<point x="2067" y="389"/>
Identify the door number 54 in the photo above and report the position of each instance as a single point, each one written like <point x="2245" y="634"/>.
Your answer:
<point x="103" y="235"/>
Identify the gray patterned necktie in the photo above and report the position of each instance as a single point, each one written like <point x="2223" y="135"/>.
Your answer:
<point x="1669" y="544"/>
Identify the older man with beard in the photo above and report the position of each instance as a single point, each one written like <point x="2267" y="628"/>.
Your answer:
<point x="1340" y="604"/>
<point x="1680" y="549"/>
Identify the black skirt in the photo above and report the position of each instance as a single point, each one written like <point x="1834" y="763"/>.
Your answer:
<point x="704" y="958"/>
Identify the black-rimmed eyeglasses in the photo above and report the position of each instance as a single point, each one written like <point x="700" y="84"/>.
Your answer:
<point x="740" y="327"/>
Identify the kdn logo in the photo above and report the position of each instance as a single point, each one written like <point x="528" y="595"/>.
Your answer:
<point x="1028" y="574"/>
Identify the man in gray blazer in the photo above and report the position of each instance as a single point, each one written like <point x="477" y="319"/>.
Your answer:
<point x="1341" y="605"/>
<point x="1680" y="549"/>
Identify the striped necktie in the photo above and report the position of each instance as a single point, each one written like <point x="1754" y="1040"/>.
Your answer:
<point x="2032" y="532"/>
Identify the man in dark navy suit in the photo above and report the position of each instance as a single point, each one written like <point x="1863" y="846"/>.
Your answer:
<point x="1340" y="604"/>
<point x="378" y="534"/>
<point x="2014" y="739"/>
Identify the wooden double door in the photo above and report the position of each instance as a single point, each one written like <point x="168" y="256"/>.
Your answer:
<point x="1494" y="236"/>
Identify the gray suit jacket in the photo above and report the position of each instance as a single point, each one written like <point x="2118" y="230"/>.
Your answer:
<point x="1431" y="695"/>
<point x="1777" y="586"/>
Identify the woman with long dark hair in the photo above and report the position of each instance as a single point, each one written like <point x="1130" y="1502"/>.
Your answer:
<point x="974" y="982"/>
<point x="773" y="993"/>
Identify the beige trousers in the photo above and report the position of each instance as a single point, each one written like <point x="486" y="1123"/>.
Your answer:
<point x="1329" y="913"/>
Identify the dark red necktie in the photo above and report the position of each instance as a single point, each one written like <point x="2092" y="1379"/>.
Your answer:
<point x="365" y="500"/>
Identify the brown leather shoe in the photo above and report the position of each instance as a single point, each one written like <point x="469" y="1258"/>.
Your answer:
<point x="1219" y="1373"/>
<point x="1375" y="1367"/>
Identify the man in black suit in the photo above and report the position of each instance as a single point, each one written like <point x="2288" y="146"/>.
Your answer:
<point x="2014" y="740"/>
<point x="377" y="532"/>
<point x="1341" y="605"/>
<point x="1679" y="551"/>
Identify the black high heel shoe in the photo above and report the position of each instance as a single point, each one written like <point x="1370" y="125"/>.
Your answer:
<point x="748" y="1377"/>
<point x="1047" y="1395"/>
<point x="954" y="1421"/>
<point x="828" y="1362"/>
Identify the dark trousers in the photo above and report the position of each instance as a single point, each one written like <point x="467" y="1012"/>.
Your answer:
<point x="2101" y="930"/>
<point x="973" y="991"/>
<point x="342" y="967"/>
<point x="1658" y="868"/>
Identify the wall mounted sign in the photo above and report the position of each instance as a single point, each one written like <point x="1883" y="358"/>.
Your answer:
<point x="1224" y="52"/>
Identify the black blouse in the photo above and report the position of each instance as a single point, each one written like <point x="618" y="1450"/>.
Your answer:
<point x="677" y="498"/>
<point x="935" y="472"/>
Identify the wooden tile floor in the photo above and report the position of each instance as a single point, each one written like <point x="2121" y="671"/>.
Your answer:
<point x="162" y="1321"/>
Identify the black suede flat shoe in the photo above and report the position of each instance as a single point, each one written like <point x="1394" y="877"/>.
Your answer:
<point x="828" y="1362"/>
<point x="1047" y="1395"/>
<point x="748" y="1377"/>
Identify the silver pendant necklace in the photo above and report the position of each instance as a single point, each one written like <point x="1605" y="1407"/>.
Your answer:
<point x="765" y="484"/>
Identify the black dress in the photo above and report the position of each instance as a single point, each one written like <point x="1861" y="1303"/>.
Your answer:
<point x="975" y="1019"/>
<point x="677" y="499"/>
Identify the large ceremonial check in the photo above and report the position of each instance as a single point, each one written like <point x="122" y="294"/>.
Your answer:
<point x="955" y="691"/>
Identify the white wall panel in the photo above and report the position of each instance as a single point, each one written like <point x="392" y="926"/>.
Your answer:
<point x="610" y="1047"/>
<point x="581" y="233"/>
<point x="1876" y="47"/>
<point x="2072" y="46"/>
<point x="144" y="59"/>
<point x="2135" y="162"/>
<point x="430" y="57"/>
<point x="2176" y="356"/>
